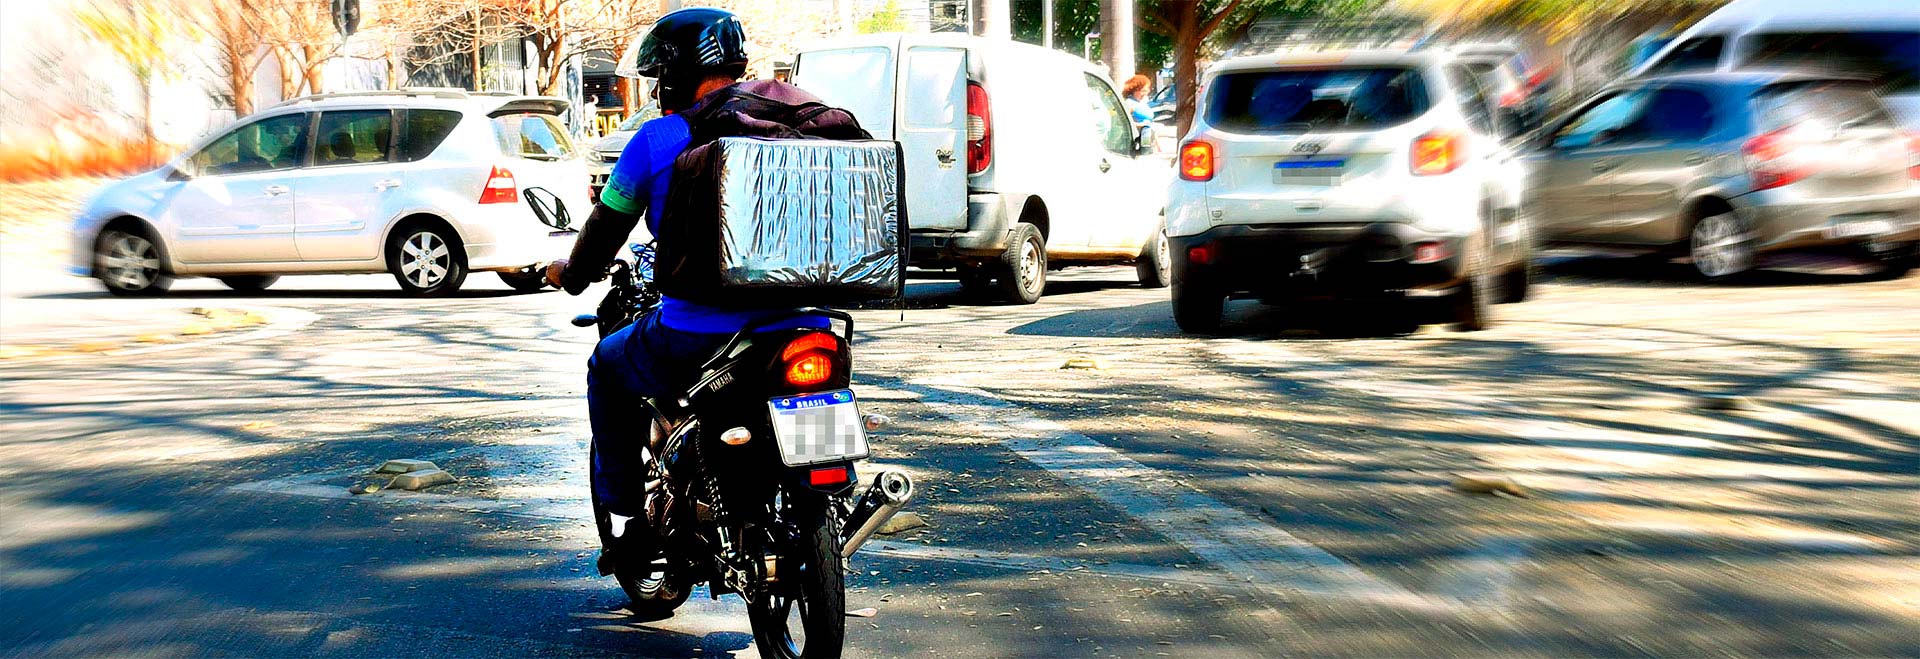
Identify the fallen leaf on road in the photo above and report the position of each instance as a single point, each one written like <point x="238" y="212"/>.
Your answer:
<point x="903" y="522"/>
<point x="1481" y="485"/>
<point x="863" y="613"/>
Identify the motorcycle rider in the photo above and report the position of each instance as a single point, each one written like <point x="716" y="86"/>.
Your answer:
<point x="690" y="53"/>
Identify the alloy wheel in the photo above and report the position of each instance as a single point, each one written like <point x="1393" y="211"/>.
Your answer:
<point x="1721" y="246"/>
<point x="129" y="261"/>
<point x="424" y="259"/>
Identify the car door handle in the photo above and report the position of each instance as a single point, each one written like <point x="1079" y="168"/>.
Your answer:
<point x="276" y="190"/>
<point x="1105" y="166"/>
<point x="385" y="184"/>
<point x="1599" y="167"/>
<point x="1695" y="159"/>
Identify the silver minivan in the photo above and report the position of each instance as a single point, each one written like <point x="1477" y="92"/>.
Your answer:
<point x="1725" y="168"/>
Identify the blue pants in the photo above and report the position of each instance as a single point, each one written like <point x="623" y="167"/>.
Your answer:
<point x="644" y="360"/>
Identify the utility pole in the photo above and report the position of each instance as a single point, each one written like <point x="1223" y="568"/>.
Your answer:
<point x="1046" y="23"/>
<point x="1116" y="40"/>
<point x="994" y="19"/>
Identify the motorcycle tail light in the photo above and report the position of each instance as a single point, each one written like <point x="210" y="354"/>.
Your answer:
<point x="809" y="358"/>
<point x="809" y="370"/>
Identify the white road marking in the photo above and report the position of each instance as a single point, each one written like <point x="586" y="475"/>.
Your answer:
<point x="1250" y="549"/>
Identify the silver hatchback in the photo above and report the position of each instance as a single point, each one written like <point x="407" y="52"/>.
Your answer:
<point x="1726" y="168"/>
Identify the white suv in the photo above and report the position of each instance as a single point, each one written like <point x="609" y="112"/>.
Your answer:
<point x="425" y="184"/>
<point x="1361" y="176"/>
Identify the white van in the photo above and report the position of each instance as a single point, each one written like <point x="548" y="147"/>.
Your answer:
<point x="1877" y="39"/>
<point x="1019" y="158"/>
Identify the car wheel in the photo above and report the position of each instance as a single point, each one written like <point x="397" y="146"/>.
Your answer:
<point x="1023" y="267"/>
<point x="1894" y="261"/>
<point x="127" y="262"/>
<point x="1473" y="305"/>
<point x="426" y="261"/>
<point x="249" y="283"/>
<point x="1197" y="309"/>
<point x="1155" y="267"/>
<point x="1517" y="282"/>
<point x="1721" y="247"/>
<point x="525" y="282"/>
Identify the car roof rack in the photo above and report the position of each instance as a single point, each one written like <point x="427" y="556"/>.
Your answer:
<point x="1283" y="35"/>
<point x="454" y="93"/>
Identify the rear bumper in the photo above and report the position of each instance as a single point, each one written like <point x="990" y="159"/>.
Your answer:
<point x="989" y="228"/>
<point x="1784" y="221"/>
<point x="510" y="237"/>
<point x="1304" y="261"/>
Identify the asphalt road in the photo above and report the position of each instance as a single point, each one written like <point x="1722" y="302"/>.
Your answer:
<point x="1273" y="492"/>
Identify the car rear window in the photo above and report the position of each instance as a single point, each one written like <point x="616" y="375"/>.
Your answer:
<point x="425" y="130"/>
<point x="1316" y="99"/>
<point x="1890" y="59"/>
<point x="1828" y="105"/>
<point x="532" y="135"/>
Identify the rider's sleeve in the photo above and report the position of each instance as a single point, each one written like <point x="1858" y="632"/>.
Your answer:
<point x="621" y="202"/>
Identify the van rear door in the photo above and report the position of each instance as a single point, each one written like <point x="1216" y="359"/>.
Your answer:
<point x="930" y="120"/>
<point x="933" y="127"/>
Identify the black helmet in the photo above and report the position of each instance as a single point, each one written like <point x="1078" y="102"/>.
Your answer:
<point x="684" y="47"/>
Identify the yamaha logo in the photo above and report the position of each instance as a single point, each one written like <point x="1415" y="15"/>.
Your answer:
<point x="1309" y="148"/>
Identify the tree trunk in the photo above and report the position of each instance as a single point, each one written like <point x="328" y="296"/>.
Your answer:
<point x="477" y="86"/>
<point x="1186" y="74"/>
<point x="146" y="120"/>
<point x="289" y="82"/>
<point x="240" y="82"/>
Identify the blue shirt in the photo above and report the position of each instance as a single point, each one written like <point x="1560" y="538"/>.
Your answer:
<point x="638" y="183"/>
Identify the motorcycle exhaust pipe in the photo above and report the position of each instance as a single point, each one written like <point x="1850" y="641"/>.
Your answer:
<point x="889" y="493"/>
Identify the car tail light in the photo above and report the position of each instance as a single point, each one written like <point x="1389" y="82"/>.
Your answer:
<point x="1512" y="98"/>
<point x="1201" y="254"/>
<point x="1437" y="153"/>
<point x="826" y="476"/>
<point x="1913" y="155"/>
<point x="1430" y="252"/>
<point x="1196" y="161"/>
<point x="809" y="358"/>
<point x="979" y="129"/>
<point x="501" y="188"/>
<point x="1770" y="160"/>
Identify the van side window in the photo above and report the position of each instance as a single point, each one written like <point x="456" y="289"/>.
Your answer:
<point x="1696" y="54"/>
<point x="1111" y="123"/>
<point x="352" y="137"/>
<point x="1672" y="116"/>
<point x="267" y="144"/>
<point x="426" y="129"/>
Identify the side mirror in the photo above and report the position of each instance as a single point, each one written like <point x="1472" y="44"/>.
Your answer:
<point x="1143" y="140"/>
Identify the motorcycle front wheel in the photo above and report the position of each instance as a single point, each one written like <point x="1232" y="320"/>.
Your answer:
<point x="653" y="591"/>
<point x="807" y="618"/>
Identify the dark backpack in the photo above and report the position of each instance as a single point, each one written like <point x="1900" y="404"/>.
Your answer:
<point x="696" y="257"/>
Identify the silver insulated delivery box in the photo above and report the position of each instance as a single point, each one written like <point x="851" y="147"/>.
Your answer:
<point x="756" y="222"/>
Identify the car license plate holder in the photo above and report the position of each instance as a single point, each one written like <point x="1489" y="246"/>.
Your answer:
<point x="818" y="427"/>
<point x="1860" y="225"/>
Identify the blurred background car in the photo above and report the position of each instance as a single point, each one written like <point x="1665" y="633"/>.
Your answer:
<point x="425" y="184"/>
<point x="607" y="150"/>
<point x="1520" y="91"/>
<point x="1374" y="176"/>
<point x="1727" y="167"/>
<point x="1875" y="39"/>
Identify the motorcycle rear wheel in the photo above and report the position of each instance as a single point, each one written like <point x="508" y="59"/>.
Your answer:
<point x="822" y="597"/>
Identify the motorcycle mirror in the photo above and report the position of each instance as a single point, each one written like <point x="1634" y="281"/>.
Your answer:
<point x="585" y="320"/>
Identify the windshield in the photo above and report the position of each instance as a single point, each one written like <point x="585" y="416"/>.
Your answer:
<point x="1890" y="59"/>
<point x="1316" y="99"/>
<point x="531" y="135"/>
<point x="643" y="115"/>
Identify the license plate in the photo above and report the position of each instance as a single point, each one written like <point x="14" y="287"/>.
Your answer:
<point x="1323" y="172"/>
<point x="1855" y="226"/>
<point x="815" y="428"/>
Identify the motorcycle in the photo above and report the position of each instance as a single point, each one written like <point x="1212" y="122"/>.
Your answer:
<point x="750" y="479"/>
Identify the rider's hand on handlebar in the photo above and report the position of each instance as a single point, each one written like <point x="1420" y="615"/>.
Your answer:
<point x="554" y="271"/>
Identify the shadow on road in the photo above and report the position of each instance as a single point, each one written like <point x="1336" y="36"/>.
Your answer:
<point x="1649" y="270"/>
<point x="297" y="294"/>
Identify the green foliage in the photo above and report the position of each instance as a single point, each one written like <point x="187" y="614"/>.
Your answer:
<point x="885" y="19"/>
